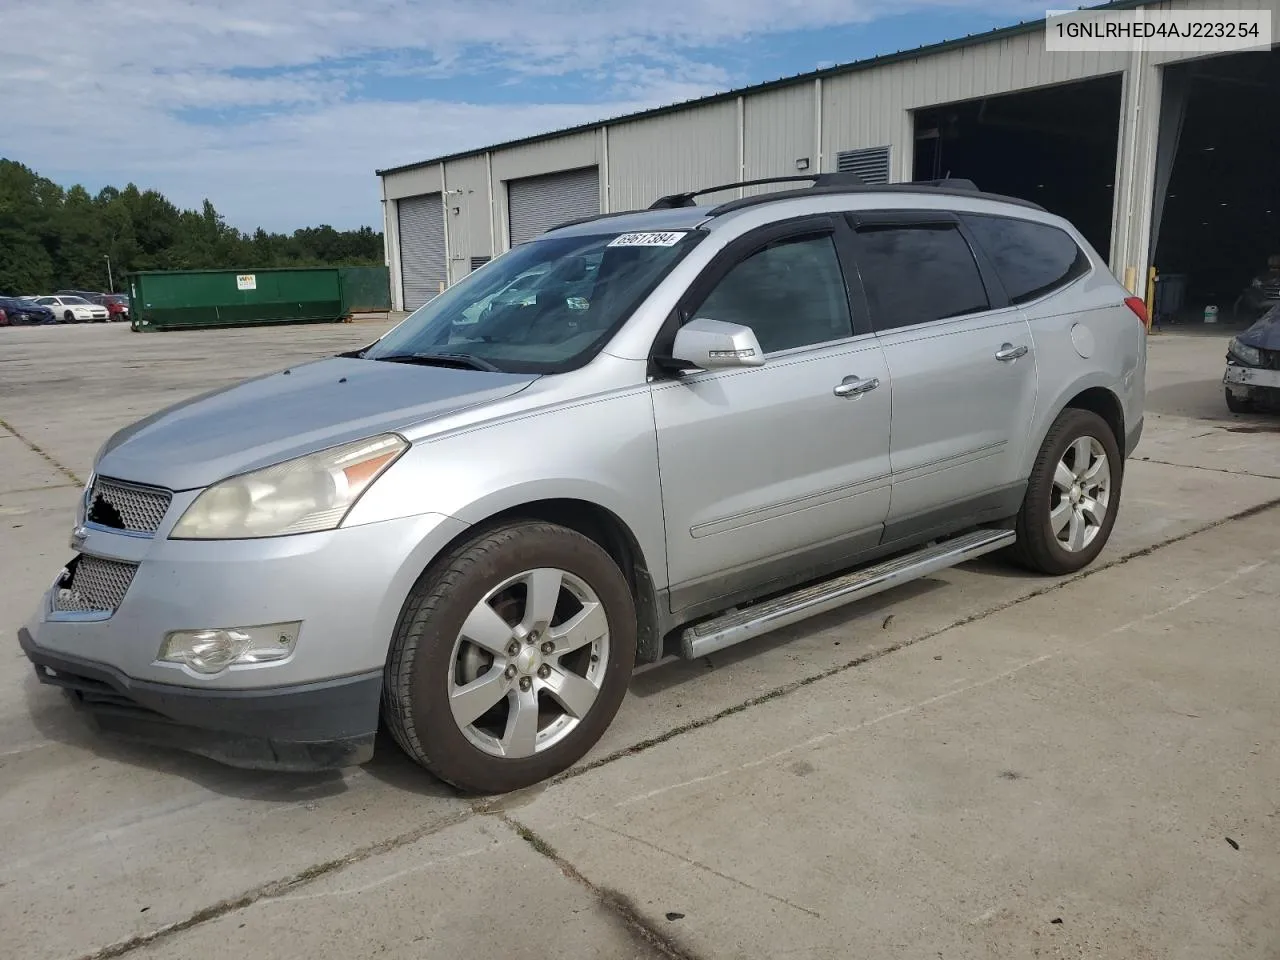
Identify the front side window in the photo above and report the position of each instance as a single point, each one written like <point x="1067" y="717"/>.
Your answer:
<point x="543" y="307"/>
<point x="918" y="274"/>
<point x="791" y="294"/>
<point x="1031" y="259"/>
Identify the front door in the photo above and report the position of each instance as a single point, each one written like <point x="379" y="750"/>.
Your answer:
<point x="963" y="367"/>
<point x="769" y="472"/>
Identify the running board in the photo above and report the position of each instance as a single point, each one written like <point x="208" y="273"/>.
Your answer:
<point x="735" y="627"/>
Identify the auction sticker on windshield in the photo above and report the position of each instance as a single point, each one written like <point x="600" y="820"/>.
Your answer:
<point x="668" y="239"/>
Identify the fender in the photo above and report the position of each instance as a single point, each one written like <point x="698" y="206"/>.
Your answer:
<point x="1094" y="380"/>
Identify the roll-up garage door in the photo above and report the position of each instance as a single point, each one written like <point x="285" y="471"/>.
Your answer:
<point x="422" y="266"/>
<point x="537" y="204"/>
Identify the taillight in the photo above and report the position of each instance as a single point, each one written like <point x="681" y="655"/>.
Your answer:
<point x="1139" y="308"/>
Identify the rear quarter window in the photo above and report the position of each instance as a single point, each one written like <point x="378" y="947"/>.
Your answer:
<point x="1031" y="259"/>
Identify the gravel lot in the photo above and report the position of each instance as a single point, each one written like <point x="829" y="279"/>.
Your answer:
<point x="980" y="764"/>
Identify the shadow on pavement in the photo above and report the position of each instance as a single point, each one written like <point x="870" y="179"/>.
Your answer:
<point x="54" y="717"/>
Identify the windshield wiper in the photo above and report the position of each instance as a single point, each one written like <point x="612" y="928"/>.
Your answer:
<point x="462" y="361"/>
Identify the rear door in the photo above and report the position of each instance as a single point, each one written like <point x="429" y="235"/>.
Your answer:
<point x="963" y="368"/>
<point x="769" y="470"/>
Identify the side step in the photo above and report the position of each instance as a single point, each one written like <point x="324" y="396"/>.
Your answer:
<point x="724" y="631"/>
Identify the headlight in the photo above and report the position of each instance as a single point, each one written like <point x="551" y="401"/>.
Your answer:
<point x="1250" y="356"/>
<point x="304" y="495"/>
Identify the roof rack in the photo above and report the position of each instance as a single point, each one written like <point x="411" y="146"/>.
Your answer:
<point x="826" y="182"/>
<point x="815" y="179"/>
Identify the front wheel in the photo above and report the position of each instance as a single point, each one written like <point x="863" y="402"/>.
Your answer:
<point x="511" y="657"/>
<point x="1072" y="496"/>
<point x="69" y="317"/>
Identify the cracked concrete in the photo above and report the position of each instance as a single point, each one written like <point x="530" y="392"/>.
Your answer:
<point x="949" y="767"/>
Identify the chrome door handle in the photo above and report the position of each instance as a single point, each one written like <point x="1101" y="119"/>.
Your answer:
<point x="1009" y="352"/>
<point x="855" y="386"/>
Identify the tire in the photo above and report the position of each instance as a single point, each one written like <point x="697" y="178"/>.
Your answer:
<point x="1236" y="405"/>
<point x="69" y="317"/>
<point x="431" y="659"/>
<point x="1045" y="546"/>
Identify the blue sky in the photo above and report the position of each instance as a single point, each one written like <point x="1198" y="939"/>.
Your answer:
<point x="279" y="110"/>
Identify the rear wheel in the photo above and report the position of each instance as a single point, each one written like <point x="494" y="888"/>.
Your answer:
<point x="1072" y="496"/>
<point x="511" y="658"/>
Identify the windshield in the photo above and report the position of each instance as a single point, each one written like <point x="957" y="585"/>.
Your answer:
<point x="75" y="301"/>
<point x="543" y="307"/>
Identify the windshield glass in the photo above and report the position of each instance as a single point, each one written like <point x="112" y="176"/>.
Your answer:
<point x="75" y="301"/>
<point x="543" y="307"/>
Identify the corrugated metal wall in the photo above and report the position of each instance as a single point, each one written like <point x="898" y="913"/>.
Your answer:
<point x="468" y="213"/>
<point x="778" y="130"/>
<point x="671" y="153"/>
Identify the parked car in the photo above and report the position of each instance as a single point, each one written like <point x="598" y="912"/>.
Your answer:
<point x="117" y="305"/>
<point x="75" y="309"/>
<point x="22" y="311"/>
<point x="4" y="318"/>
<point x="90" y="295"/>
<point x="766" y="409"/>
<point x="1252" y="377"/>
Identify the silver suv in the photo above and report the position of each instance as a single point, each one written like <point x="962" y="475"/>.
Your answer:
<point x="701" y="423"/>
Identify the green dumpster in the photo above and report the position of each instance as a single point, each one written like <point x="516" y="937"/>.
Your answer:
<point x="171" y="299"/>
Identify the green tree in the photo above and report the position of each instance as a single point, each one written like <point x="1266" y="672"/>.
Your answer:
<point x="51" y="238"/>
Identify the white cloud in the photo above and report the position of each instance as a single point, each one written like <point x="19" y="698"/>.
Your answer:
<point x="107" y="88"/>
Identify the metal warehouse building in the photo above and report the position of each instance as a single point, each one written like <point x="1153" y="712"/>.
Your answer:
<point x="1162" y="159"/>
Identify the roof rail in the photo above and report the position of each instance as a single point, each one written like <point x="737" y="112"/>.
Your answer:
<point x="848" y="180"/>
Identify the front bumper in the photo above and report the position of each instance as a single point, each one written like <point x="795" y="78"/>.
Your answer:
<point x="304" y="727"/>
<point x="1242" y="381"/>
<point x="317" y="726"/>
<point x="317" y="708"/>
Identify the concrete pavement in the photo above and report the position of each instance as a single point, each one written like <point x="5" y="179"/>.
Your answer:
<point x="832" y="790"/>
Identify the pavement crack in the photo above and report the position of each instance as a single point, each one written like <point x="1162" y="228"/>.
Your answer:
<point x="40" y="452"/>
<point x="699" y="865"/>
<point x="1192" y="466"/>
<point x="274" y="888"/>
<point x="617" y="903"/>
<point x="794" y="685"/>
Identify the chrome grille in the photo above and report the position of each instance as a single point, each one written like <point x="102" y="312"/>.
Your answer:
<point x="93" y="585"/>
<point x="127" y="506"/>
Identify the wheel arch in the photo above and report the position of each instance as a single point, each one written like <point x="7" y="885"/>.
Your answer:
<point x="1090" y="394"/>
<point x="597" y="523"/>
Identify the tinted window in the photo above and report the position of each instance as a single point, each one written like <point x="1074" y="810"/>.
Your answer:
<point x="1031" y="259"/>
<point x="792" y="294"/>
<point x="915" y="274"/>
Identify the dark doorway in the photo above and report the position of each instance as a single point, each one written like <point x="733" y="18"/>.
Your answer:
<point x="1220" y="224"/>
<point x="1054" y="145"/>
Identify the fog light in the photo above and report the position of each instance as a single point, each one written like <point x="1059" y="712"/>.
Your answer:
<point x="213" y="650"/>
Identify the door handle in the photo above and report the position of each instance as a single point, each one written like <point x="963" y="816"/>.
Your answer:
<point x="1009" y="352"/>
<point x="855" y="386"/>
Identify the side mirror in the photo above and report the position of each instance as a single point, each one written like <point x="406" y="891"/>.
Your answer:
<point x="712" y="345"/>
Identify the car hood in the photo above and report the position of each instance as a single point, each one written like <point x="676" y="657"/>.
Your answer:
<point x="1265" y="334"/>
<point x="291" y="413"/>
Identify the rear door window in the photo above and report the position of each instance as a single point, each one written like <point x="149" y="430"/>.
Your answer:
<point x="1031" y="259"/>
<point x="918" y="273"/>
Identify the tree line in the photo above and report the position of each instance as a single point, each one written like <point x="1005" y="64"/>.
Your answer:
<point x="53" y="238"/>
